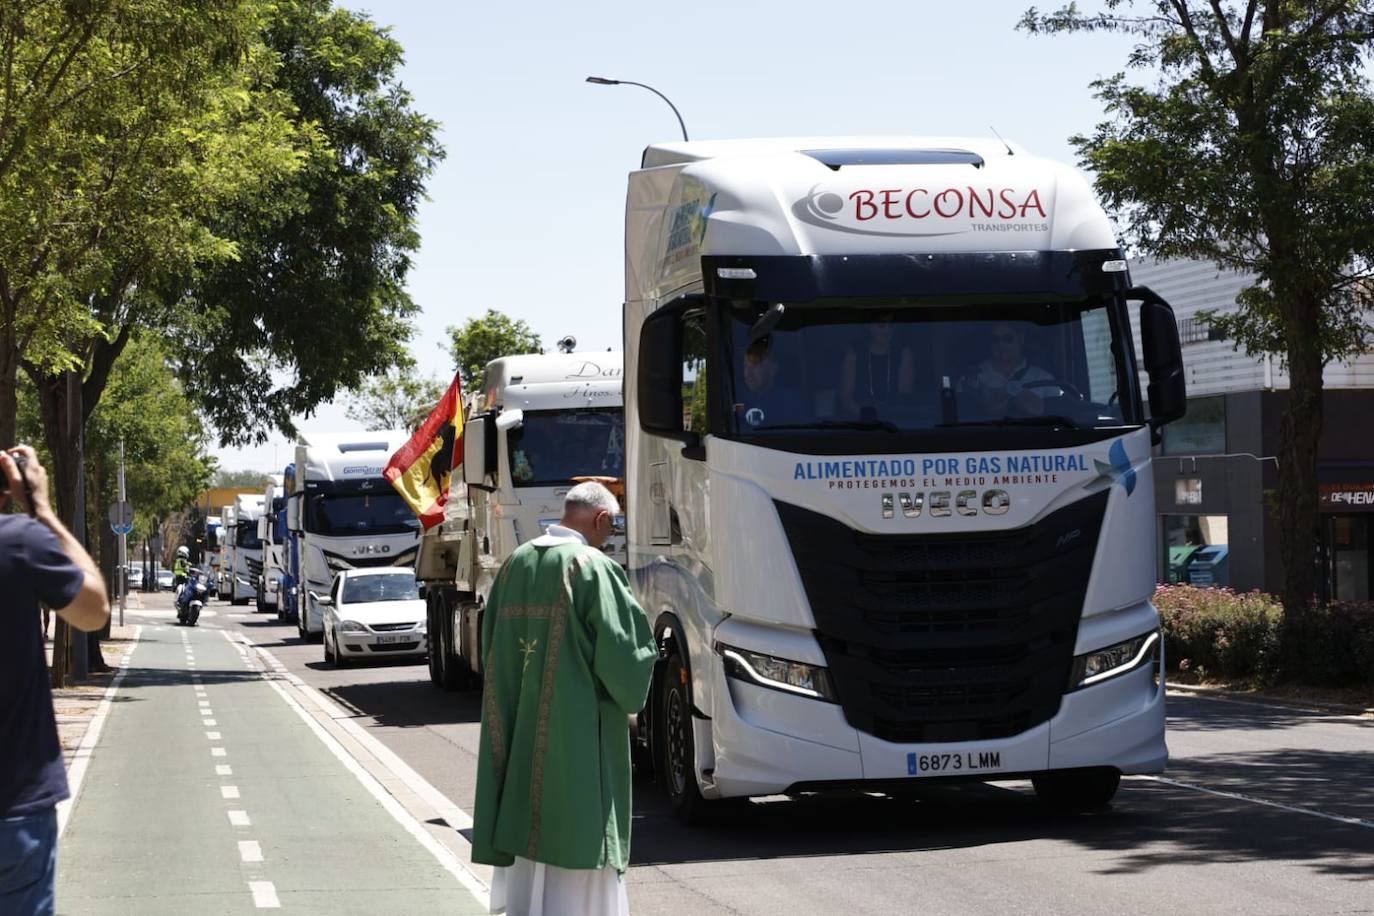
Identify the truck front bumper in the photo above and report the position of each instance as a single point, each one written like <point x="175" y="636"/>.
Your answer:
<point x="760" y="741"/>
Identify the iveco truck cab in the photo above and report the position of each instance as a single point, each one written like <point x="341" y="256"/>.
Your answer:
<point x="890" y="505"/>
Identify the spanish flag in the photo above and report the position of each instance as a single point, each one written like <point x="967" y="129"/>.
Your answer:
<point x="421" y="469"/>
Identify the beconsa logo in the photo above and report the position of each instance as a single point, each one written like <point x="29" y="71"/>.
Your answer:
<point x="920" y="211"/>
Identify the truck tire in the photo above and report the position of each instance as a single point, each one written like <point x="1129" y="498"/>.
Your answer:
<point x="676" y="748"/>
<point x="447" y="670"/>
<point x="1077" y="791"/>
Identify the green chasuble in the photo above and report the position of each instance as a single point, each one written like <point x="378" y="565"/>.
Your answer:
<point x="567" y="658"/>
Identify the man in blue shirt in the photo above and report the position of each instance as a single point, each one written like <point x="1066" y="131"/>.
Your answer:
<point x="40" y="562"/>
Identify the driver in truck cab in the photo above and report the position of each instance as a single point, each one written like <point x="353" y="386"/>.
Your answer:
<point x="767" y="398"/>
<point x="1005" y="384"/>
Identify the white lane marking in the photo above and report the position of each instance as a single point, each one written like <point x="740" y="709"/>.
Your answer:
<point x="1240" y="796"/>
<point x="264" y="895"/>
<point x="229" y="791"/>
<point x="82" y="758"/>
<point x="460" y="818"/>
<point x="203" y="703"/>
<point x="250" y="851"/>
<point x="239" y="819"/>
<point x="218" y="752"/>
<point x="213" y="736"/>
<point x="209" y="723"/>
<point x="223" y="769"/>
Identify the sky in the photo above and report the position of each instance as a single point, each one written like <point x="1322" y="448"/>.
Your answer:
<point x="525" y="213"/>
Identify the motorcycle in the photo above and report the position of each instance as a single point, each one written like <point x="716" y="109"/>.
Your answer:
<point x="190" y="600"/>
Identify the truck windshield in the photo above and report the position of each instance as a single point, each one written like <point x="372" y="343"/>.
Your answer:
<point x="342" y="515"/>
<point x="246" y="535"/>
<point x="905" y="367"/>
<point x="552" y="447"/>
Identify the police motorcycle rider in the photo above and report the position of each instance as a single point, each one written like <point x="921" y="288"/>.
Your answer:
<point x="181" y="567"/>
<point x="191" y="597"/>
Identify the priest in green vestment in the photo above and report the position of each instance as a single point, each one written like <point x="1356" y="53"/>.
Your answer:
<point x="567" y="657"/>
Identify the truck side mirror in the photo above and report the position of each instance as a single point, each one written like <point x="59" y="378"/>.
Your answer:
<point x="479" y="450"/>
<point x="1163" y="357"/>
<point x="658" y="394"/>
<point x="293" y="513"/>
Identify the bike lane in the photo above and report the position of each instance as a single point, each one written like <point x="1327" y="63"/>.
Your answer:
<point x="208" y="793"/>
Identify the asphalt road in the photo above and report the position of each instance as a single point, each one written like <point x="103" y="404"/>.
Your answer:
<point x="1263" y="810"/>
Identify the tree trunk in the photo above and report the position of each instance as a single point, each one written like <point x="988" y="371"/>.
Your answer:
<point x="1299" y="432"/>
<point x="9" y="379"/>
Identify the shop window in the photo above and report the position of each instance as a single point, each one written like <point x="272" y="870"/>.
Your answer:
<point x="1201" y="431"/>
<point x="1349" y="537"/>
<point x="1188" y="492"/>
<point x="1195" y="549"/>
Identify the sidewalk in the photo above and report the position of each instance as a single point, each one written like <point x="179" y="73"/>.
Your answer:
<point x="208" y="794"/>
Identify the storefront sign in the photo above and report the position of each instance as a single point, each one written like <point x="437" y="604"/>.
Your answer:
<point x="1347" y="497"/>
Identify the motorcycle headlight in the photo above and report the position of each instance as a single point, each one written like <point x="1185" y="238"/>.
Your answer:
<point x="1114" y="661"/>
<point x="351" y="626"/>
<point x="777" y="673"/>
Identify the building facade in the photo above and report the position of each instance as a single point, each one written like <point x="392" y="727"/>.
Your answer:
<point x="1216" y="470"/>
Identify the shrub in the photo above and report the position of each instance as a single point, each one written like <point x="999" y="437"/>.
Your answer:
<point x="1223" y="634"/>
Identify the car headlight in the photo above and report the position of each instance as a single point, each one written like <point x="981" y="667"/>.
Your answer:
<point x="352" y="626"/>
<point x="1114" y="661"/>
<point x="777" y="673"/>
<point x="421" y="627"/>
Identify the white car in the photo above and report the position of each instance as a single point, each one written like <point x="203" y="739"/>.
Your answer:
<point x="373" y="613"/>
<point x="166" y="579"/>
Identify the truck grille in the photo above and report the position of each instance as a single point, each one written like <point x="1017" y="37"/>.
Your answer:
<point x="947" y="637"/>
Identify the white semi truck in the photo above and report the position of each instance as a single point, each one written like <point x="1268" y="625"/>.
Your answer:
<point x="267" y="582"/>
<point x="889" y="493"/>
<point x="537" y="422"/>
<point x="247" y="559"/>
<point x="345" y="515"/>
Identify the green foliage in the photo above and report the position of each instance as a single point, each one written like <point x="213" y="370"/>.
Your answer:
<point x="313" y="300"/>
<point x="481" y="340"/>
<point x="1219" y="634"/>
<point x="1252" y="146"/>
<point x="399" y="399"/>
<point x="227" y="478"/>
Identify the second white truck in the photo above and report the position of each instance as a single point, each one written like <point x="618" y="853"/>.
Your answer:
<point x="537" y="422"/>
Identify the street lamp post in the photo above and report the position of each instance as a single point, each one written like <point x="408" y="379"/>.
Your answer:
<point x="603" y="81"/>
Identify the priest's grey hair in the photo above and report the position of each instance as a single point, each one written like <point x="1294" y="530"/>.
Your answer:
<point x="590" y="497"/>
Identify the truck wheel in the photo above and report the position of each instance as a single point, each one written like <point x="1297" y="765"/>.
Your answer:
<point x="676" y="744"/>
<point x="434" y="627"/>
<point x="1077" y="790"/>
<point x="455" y="668"/>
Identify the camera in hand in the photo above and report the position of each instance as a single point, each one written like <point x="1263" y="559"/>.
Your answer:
<point x="20" y="464"/>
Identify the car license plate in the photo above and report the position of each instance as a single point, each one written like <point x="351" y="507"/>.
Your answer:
<point x="953" y="763"/>
<point x="387" y="639"/>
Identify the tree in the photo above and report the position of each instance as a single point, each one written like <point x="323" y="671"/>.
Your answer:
<point x="481" y="340"/>
<point x="226" y="478"/>
<point x="314" y="300"/>
<point x="1253" y="148"/>
<point x="400" y="399"/>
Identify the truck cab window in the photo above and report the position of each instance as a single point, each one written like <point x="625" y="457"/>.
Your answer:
<point x="552" y="447"/>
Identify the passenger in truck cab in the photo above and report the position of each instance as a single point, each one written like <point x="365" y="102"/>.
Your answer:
<point x="767" y="397"/>
<point x="1005" y="384"/>
<point x="878" y="373"/>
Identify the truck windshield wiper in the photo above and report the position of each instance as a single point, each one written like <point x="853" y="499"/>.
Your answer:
<point x="1054" y="420"/>
<point x="886" y="425"/>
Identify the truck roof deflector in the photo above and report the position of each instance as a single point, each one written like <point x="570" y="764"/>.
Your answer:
<point x="835" y="159"/>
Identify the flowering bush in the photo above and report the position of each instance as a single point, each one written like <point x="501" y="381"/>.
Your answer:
<point x="1218" y="633"/>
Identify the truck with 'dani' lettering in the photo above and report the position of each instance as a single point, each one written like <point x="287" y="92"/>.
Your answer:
<point x="246" y="565"/>
<point x="271" y="526"/>
<point x="344" y="514"/>
<point x="536" y="424"/>
<point x="889" y="496"/>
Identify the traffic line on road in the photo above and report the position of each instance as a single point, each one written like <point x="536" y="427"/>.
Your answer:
<point x="223" y="769"/>
<point x="264" y="895"/>
<point x="81" y="760"/>
<point x="229" y="791"/>
<point x="453" y="815"/>
<point x="1241" y="796"/>
<point x="213" y="736"/>
<point x="218" y="752"/>
<point x="250" y="851"/>
<point x="239" y="818"/>
<point x="209" y="722"/>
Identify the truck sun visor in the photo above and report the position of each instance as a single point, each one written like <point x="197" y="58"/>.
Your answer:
<point x="835" y="159"/>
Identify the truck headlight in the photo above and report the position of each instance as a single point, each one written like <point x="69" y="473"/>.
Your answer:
<point x="777" y="673"/>
<point x="351" y="626"/>
<point x="1114" y="661"/>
